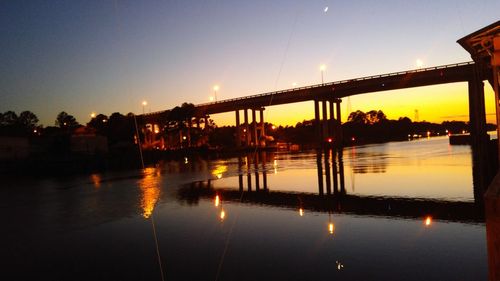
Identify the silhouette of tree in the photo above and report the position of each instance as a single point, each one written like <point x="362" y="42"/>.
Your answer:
<point x="9" y="118"/>
<point x="374" y="117"/>
<point x="99" y="123"/>
<point x="28" y="120"/>
<point x="66" y="121"/>
<point x="120" y="128"/>
<point x="357" y="117"/>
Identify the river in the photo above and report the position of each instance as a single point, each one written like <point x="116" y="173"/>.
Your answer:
<point x="393" y="211"/>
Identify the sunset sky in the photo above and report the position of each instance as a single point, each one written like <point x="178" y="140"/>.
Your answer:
<point x="109" y="56"/>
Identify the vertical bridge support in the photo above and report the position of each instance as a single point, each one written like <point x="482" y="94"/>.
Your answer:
<point x="326" y="128"/>
<point x="238" y="129"/>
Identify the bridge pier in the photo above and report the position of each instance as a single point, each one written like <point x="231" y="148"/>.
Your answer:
<point x="262" y="137"/>
<point x="247" y="127"/>
<point x="317" y="123"/>
<point x="254" y="129"/>
<point x="326" y="126"/>
<point x="238" y="129"/>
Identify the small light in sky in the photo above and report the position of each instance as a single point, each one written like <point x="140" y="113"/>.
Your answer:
<point x="326" y="9"/>
<point x="294" y="84"/>
<point x="419" y="63"/>
<point x="211" y="98"/>
<point x="322" y="67"/>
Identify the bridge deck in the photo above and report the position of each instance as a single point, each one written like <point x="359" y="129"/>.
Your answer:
<point x="460" y="72"/>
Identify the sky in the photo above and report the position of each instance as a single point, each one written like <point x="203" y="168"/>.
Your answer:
<point x="110" y="56"/>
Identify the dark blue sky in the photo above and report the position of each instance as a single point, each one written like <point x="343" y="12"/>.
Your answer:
<point x="109" y="56"/>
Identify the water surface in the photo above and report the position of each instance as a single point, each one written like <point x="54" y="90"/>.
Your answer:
<point x="401" y="211"/>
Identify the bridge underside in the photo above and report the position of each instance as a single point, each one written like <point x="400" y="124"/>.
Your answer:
<point x="327" y="98"/>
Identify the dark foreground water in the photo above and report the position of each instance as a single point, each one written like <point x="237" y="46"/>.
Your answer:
<point x="396" y="211"/>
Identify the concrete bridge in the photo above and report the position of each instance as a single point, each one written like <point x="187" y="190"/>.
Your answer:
<point x="327" y="98"/>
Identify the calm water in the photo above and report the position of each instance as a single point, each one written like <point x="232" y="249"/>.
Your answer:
<point x="270" y="223"/>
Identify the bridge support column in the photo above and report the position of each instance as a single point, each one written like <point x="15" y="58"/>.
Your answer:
<point x="247" y="127"/>
<point x="254" y="129"/>
<point x="332" y="119"/>
<point x="206" y="123"/>
<point x="262" y="137"/>
<point x="317" y="123"/>
<point x="324" y="127"/>
<point x="238" y="129"/>
<point x="478" y="134"/>
<point x="338" y="135"/>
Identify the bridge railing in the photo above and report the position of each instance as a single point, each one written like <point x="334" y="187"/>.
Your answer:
<point x="331" y="84"/>
<point x="339" y="82"/>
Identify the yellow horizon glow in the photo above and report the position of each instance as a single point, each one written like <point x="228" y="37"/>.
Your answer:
<point x="438" y="103"/>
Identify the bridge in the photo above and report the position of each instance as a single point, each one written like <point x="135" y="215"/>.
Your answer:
<point x="327" y="98"/>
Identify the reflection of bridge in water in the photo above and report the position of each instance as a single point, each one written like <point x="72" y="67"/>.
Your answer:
<point x="331" y="195"/>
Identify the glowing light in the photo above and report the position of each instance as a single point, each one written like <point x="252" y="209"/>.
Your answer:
<point x="353" y="139"/>
<point x="144" y="103"/>
<point x="322" y="67"/>
<point x="463" y="132"/>
<point x="330" y="140"/>
<point x="331" y="228"/>
<point x="211" y="98"/>
<point x="216" y="87"/>
<point x="222" y="214"/>
<point x="428" y="221"/>
<point x="150" y="188"/>
<point x="219" y="170"/>
<point x="217" y="201"/>
<point x="294" y="84"/>
<point x="34" y="131"/>
<point x="96" y="180"/>
<point x="184" y="137"/>
<point x="186" y="160"/>
<point x="419" y="63"/>
<point x="157" y="130"/>
<point x="428" y="133"/>
<point x="273" y="127"/>
<point x="301" y="212"/>
<point x="340" y="266"/>
<point x="326" y="9"/>
<point x="92" y="115"/>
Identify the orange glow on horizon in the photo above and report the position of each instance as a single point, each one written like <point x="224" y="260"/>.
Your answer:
<point x="435" y="104"/>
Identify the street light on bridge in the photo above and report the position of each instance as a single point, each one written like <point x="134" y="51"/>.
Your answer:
<point x="144" y="103"/>
<point x="419" y="63"/>
<point x="216" y="88"/>
<point x="322" y="68"/>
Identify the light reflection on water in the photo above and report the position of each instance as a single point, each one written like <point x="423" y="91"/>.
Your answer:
<point x="428" y="168"/>
<point x="373" y="229"/>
